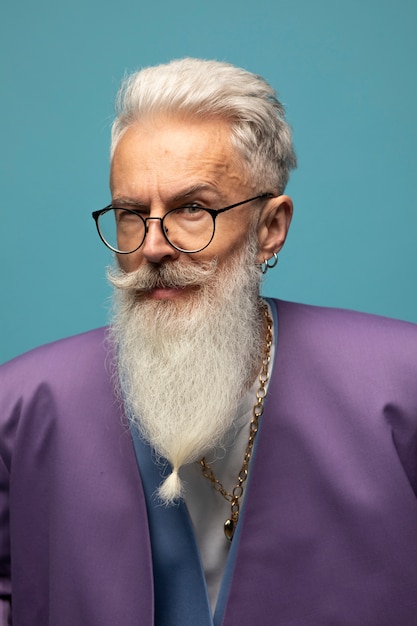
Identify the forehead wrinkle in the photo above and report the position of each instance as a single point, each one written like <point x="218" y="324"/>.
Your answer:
<point x="212" y="166"/>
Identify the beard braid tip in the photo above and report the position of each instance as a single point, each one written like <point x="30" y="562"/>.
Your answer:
<point x="171" y="490"/>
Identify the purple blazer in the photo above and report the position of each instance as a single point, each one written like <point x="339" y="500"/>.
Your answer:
<point x="329" y="531"/>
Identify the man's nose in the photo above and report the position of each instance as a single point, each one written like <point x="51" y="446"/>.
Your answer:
<point x="156" y="248"/>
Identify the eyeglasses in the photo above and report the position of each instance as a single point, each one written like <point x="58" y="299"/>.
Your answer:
<point x="190" y="228"/>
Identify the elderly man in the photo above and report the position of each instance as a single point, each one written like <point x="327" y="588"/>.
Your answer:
<point x="212" y="457"/>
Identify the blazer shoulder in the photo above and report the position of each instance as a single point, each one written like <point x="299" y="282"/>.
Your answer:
<point x="328" y="318"/>
<point x="342" y="334"/>
<point x="77" y="355"/>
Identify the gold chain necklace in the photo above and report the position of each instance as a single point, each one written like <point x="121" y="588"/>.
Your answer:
<point x="258" y="409"/>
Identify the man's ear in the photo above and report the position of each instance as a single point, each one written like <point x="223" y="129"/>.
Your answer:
<point x="274" y="222"/>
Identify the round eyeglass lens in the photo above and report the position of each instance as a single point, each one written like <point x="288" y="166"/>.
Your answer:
<point x="188" y="228"/>
<point x="122" y="230"/>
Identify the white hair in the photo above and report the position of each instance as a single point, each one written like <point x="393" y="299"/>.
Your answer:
<point x="199" y="89"/>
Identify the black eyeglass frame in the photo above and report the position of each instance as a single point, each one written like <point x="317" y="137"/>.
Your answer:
<point x="213" y="212"/>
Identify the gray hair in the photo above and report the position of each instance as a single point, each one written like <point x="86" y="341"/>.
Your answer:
<point x="199" y="89"/>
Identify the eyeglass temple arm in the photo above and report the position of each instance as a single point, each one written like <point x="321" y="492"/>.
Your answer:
<point x="232" y="206"/>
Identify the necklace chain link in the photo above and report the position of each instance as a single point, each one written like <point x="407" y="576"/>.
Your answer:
<point x="258" y="409"/>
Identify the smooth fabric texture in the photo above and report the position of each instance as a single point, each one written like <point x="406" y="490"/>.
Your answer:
<point x="180" y="590"/>
<point x="328" y="535"/>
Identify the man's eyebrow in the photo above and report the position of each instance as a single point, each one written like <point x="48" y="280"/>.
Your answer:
<point x="185" y="194"/>
<point x="127" y="201"/>
<point x="194" y="190"/>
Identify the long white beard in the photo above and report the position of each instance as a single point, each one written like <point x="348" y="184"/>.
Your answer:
<point x="184" y="365"/>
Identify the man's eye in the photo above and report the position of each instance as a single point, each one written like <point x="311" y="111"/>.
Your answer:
<point x="191" y="209"/>
<point x="123" y="215"/>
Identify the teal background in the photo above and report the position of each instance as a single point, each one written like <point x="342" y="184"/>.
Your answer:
<point x="347" y="74"/>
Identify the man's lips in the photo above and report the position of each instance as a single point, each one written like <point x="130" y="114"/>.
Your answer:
<point x="165" y="293"/>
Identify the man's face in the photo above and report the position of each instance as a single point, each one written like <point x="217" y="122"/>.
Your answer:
<point x="182" y="320"/>
<point x="166" y="163"/>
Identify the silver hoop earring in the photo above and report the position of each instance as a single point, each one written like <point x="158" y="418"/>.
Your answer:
<point x="268" y="264"/>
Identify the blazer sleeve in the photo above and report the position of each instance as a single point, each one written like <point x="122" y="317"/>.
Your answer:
<point x="5" y="581"/>
<point x="5" y="613"/>
<point x="9" y="418"/>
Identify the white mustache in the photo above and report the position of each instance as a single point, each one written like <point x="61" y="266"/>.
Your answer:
<point x="167" y="275"/>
